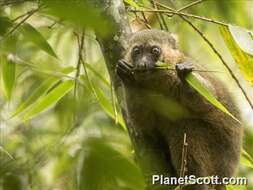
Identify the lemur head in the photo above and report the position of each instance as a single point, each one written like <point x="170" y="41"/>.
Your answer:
<point x="147" y="47"/>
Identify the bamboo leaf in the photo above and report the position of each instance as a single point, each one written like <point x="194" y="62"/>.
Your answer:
<point x="34" y="36"/>
<point x="244" y="60"/>
<point x="230" y="187"/>
<point x="107" y="106"/>
<point x="40" y="91"/>
<point x="132" y="3"/>
<point x="246" y="159"/>
<point x="80" y="13"/>
<point x="243" y="38"/>
<point x="8" y="76"/>
<point x="49" y="100"/>
<point x="98" y="75"/>
<point x="5" y="24"/>
<point x="193" y="81"/>
<point x="104" y="102"/>
<point x="112" y="167"/>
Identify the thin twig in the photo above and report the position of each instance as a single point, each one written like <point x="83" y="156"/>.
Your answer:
<point x="183" y="165"/>
<point x="190" y="5"/>
<point x="81" y="43"/>
<point x="83" y="62"/>
<point x="162" y="17"/>
<point x="28" y="15"/>
<point x="202" y="18"/>
<point x="158" y="15"/>
<point x="21" y="16"/>
<point x="52" y="25"/>
<point x="11" y="3"/>
<point x="171" y="12"/>
<point x="114" y="104"/>
<point x="78" y="66"/>
<point x="144" y="17"/>
<point x="39" y="70"/>
<point x="220" y="57"/>
<point x="144" y="20"/>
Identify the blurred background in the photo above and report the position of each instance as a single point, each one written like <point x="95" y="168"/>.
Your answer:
<point x="60" y="124"/>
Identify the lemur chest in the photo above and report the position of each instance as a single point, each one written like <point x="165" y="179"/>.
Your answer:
<point x="146" y="109"/>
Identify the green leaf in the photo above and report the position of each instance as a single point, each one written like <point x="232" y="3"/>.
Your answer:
<point x="31" y="34"/>
<point x="132" y="3"/>
<point x="49" y="100"/>
<point x="246" y="159"/>
<point x="104" y="102"/>
<point x="5" y="24"/>
<point x="107" y="106"/>
<point x="8" y="76"/>
<point x="98" y="75"/>
<point x="244" y="60"/>
<point x="105" y="168"/>
<point x="40" y="91"/>
<point x="243" y="38"/>
<point x="193" y="81"/>
<point x="80" y="13"/>
<point x="236" y="187"/>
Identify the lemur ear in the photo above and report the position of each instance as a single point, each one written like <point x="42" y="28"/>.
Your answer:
<point x="174" y="41"/>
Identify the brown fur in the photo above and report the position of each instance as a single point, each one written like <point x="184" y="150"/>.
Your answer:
<point x="163" y="107"/>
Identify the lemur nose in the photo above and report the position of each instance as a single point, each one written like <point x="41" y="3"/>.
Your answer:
<point x="145" y="62"/>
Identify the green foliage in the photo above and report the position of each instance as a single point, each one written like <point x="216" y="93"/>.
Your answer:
<point x="107" y="106"/>
<point x="8" y="75"/>
<point x="31" y="34"/>
<point x="78" y="144"/>
<point x="193" y="81"/>
<point x="42" y="89"/>
<point x="243" y="38"/>
<point x="246" y="159"/>
<point x="132" y="3"/>
<point x="5" y="24"/>
<point x="48" y="100"/>
<point x="199" y="87"/>
<point x="240" y="45"/>
<point x="79" y="13"/>
<point x="105" y="168"/>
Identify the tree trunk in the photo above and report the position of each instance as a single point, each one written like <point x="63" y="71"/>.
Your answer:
<point x="113" y="45"/>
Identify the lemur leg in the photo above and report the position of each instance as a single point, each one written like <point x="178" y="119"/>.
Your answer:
<point x="199" y="160"/>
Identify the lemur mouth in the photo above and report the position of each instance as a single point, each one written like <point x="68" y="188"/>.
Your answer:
<point x="152" y="67"/>
<point x="143" y="68"/>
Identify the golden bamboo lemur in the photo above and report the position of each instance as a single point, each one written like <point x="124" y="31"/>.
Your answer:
<point x="162" y="107"/>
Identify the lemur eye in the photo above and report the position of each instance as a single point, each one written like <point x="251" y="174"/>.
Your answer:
<point x="156" y="51"/>
<point x="136" y="50"/>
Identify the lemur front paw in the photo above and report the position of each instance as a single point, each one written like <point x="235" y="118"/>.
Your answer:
<point x="124" y="70"/>
<point x="183" y="69"/>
